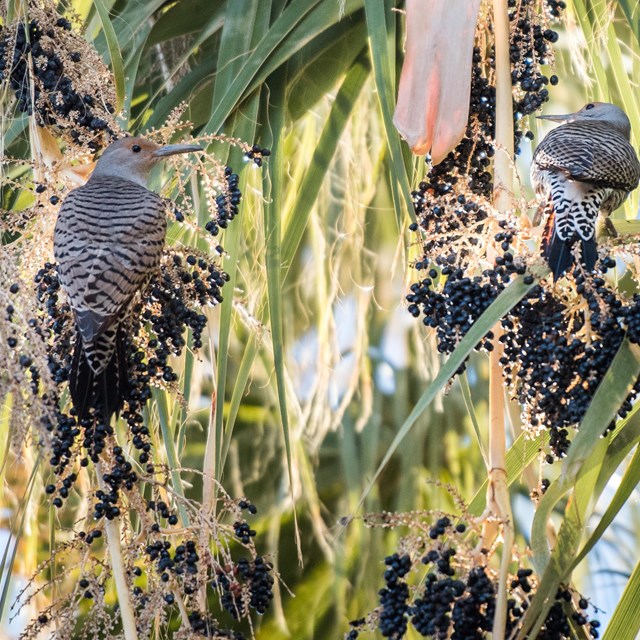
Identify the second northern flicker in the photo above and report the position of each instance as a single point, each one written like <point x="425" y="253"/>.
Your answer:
<point x="584" y="167"/>
<point x="108" y="240"/>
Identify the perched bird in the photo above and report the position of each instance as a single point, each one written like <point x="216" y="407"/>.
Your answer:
<point x="582" y="168"/>
<point x="108" y="240"/>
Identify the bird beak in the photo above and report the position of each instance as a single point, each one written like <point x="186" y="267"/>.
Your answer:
<point x="561" y="118"/>
<point x="172" y="149"/>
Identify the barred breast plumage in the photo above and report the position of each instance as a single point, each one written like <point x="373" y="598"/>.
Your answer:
<point x="108" y="241"/>
<point x="584" y="167"/>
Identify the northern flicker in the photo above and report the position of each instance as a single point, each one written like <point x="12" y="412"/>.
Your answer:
<point x="108" y="240"/>
<point x="582" y="168"/>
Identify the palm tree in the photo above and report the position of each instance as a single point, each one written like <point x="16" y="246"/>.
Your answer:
<point x="314" y="395"/>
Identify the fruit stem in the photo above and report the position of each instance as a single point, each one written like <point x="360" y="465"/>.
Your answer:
<point x="498" y="504"/>
<point x="112" y="531"/>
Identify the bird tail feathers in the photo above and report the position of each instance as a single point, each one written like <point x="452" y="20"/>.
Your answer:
<point x="559" y="253"/>
<point x="104" y="392"/>
<point x="589" y="253"/>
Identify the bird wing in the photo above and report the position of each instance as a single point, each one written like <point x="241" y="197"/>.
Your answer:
<point x="109" y="285"/>
<point x="590" y="152"/>
<point x="108" y="240"/>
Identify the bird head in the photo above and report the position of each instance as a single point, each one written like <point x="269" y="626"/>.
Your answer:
<point x="597" y="112"/>
<point x="133" y="158"/>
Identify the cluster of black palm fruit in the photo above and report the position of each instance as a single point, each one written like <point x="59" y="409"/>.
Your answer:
<point x="450" y="300"/>
<point x="31" y="371"/>
<point x="243" y="531"/>
<point x="248" y="584"/>
<point x="183" y="565"/>
<point x="630" y="315"/>
<point x="201" y="623"/>
<point x="173" y="303"/>
<point x="442" y="214"/>
<point x="556" y="7"/>
<point x="394" y="597"/>
<point x="471" y="158"/>
<point x="256" y="154"/>
<point x="207" y="626"/>
<point x="227" y="202"/>
<point x="555" y="359"/>
<point x="444" y="220"/>
<point x="459" y="603"/>
<point x="25" y="58"/>
<point x="530" y="48"/>
<point x="563" y="616"/>
<point x="451" y="223"/>
<point x="242" y="585"/>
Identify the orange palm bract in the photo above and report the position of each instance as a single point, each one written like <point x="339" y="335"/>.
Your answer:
<point x="435" y="84"/>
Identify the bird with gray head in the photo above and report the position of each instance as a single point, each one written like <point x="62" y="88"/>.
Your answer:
<point x="108" y="240"/>
<point x="582" y="168"/>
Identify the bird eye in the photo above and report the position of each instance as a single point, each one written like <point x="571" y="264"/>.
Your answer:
<point x="136" y="148"/>
<point x="589" y="106"/>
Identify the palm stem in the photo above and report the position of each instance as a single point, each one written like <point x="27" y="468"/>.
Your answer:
<point x="498" y="491"/>
<point x="112" y="530"/>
